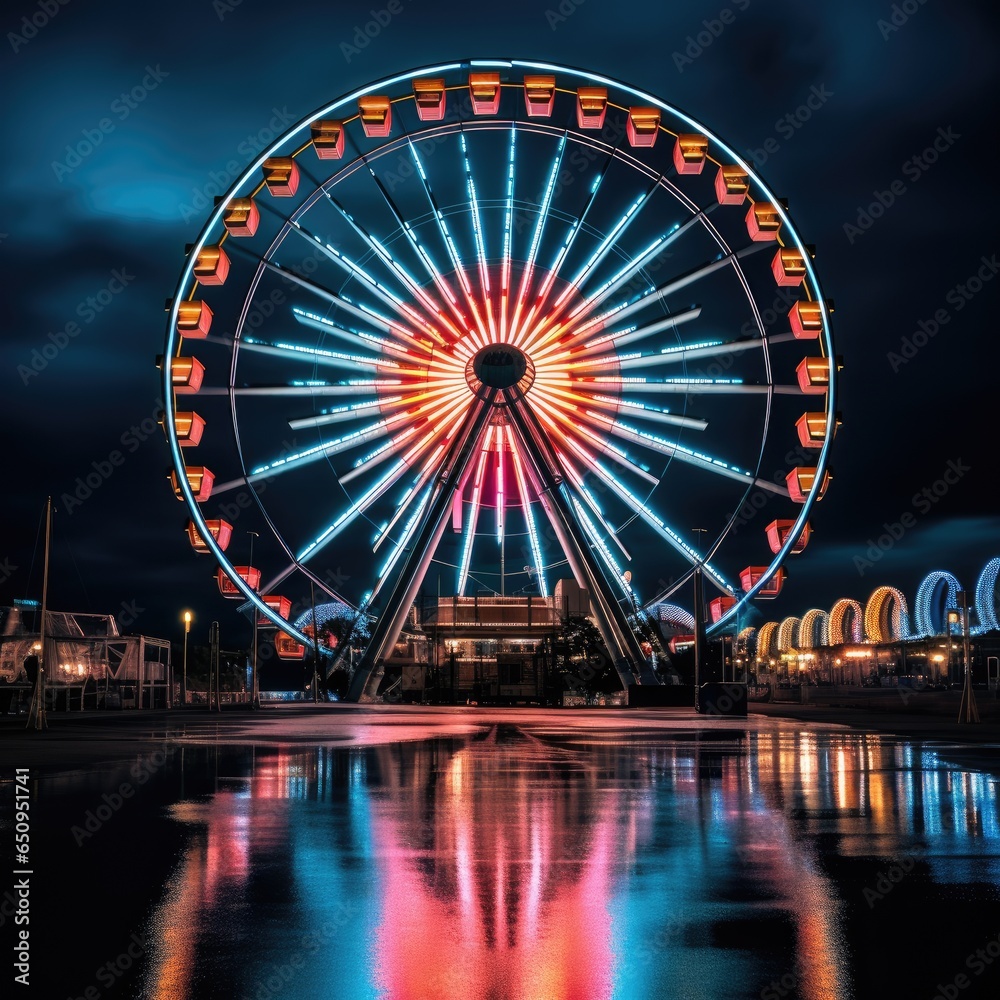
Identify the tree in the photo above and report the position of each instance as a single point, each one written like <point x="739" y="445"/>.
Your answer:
<point x="582" y="661"/>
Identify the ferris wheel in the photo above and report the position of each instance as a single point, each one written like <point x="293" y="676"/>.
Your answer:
<point x="486" y="325"/>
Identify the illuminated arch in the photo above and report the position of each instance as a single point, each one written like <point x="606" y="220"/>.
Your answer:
<point x="765" y="640"/>
<point x="936" y="594"/>
<point x="746" y="641"/>
<point x="886" y="615"/>
<point x="838" y="615"/>
<point x="986" y="605"/>
<point x="814" y="629"/>
<point x="673" y="614"/>
<point x="788" y="634"/>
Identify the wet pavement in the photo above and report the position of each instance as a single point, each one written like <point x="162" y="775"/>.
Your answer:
<point x="488" y="855"/>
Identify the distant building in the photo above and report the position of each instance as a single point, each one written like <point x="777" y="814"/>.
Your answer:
<point x="87" y="663"/>
<point x="483" y="647"/>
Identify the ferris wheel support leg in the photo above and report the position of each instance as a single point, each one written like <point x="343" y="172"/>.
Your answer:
<point x="612" y="622"/>
<point x="385" y="634"/>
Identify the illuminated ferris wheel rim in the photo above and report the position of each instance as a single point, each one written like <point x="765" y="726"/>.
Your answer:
<point x="186" y="280"/>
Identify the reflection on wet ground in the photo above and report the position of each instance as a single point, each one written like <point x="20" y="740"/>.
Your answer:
<point x="525" y="862"/>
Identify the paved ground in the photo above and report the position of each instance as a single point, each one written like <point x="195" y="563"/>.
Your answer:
<point x="80" y="737"/>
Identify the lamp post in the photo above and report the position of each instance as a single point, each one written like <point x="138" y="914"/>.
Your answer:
<point x="967" y="710"/>
<point x="954" y="617"/>
<point x="254" y="690"/>
<point x="184" y="674"/>
<point x="699" y="619"/>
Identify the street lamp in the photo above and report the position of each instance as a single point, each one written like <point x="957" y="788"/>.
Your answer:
<point x="254" y="691"/>
<point x="968" y="707"/>
<point x="184" y="675"/>
<point x="699" y="614"/>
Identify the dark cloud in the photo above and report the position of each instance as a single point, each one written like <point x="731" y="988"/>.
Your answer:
<point x="173" y="98"/>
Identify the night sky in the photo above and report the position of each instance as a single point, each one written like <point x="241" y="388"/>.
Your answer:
<point x="92" y="245"/>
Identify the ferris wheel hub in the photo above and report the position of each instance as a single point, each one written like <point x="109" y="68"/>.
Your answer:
<point x="499" y="366"/>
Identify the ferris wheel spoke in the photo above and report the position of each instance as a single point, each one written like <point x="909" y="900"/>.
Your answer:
<point x="706" y="349"/>
<point x="440" y="283"/>
<point x="469" y="536"/>
<point x="355" y="270"/>
<point x="479" y="236"/>
<point x="683" y="386"/>
<point x="358" y="507"/>
<point x="604" y="248"/>
<point x="553" y="417"/>
<point x="479" y="335"/>
<point x="299" y="459"/>
<point x="536" y="238"/>
<point x="402" y="275"/>
<point x="619" y="338"/>
<point x="355" y="411"/>
<point x="652" y="519"/>
<point x="298" y="352"/>
<point x="597" y="542"/>
<point x="358" y="411"/>
<point x="626" y="274"/>
<point x="508" y="237"/>
<point x="342" y="302"/>
<point x="658" y="295"/>
<point x="529" y="517"/>
<point x="449" y="408"/>
<point x="684" y="280"/>
<point x="541" y="300"/>
<point x="576" y="475"/>
<point x="311" y="387"/>
<point x="678" y="451"/>
<point x="331" y="329"/>
<point x="614" y="404"/>
<point x="398" y="346"/>
<point x="408" y="531"/>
